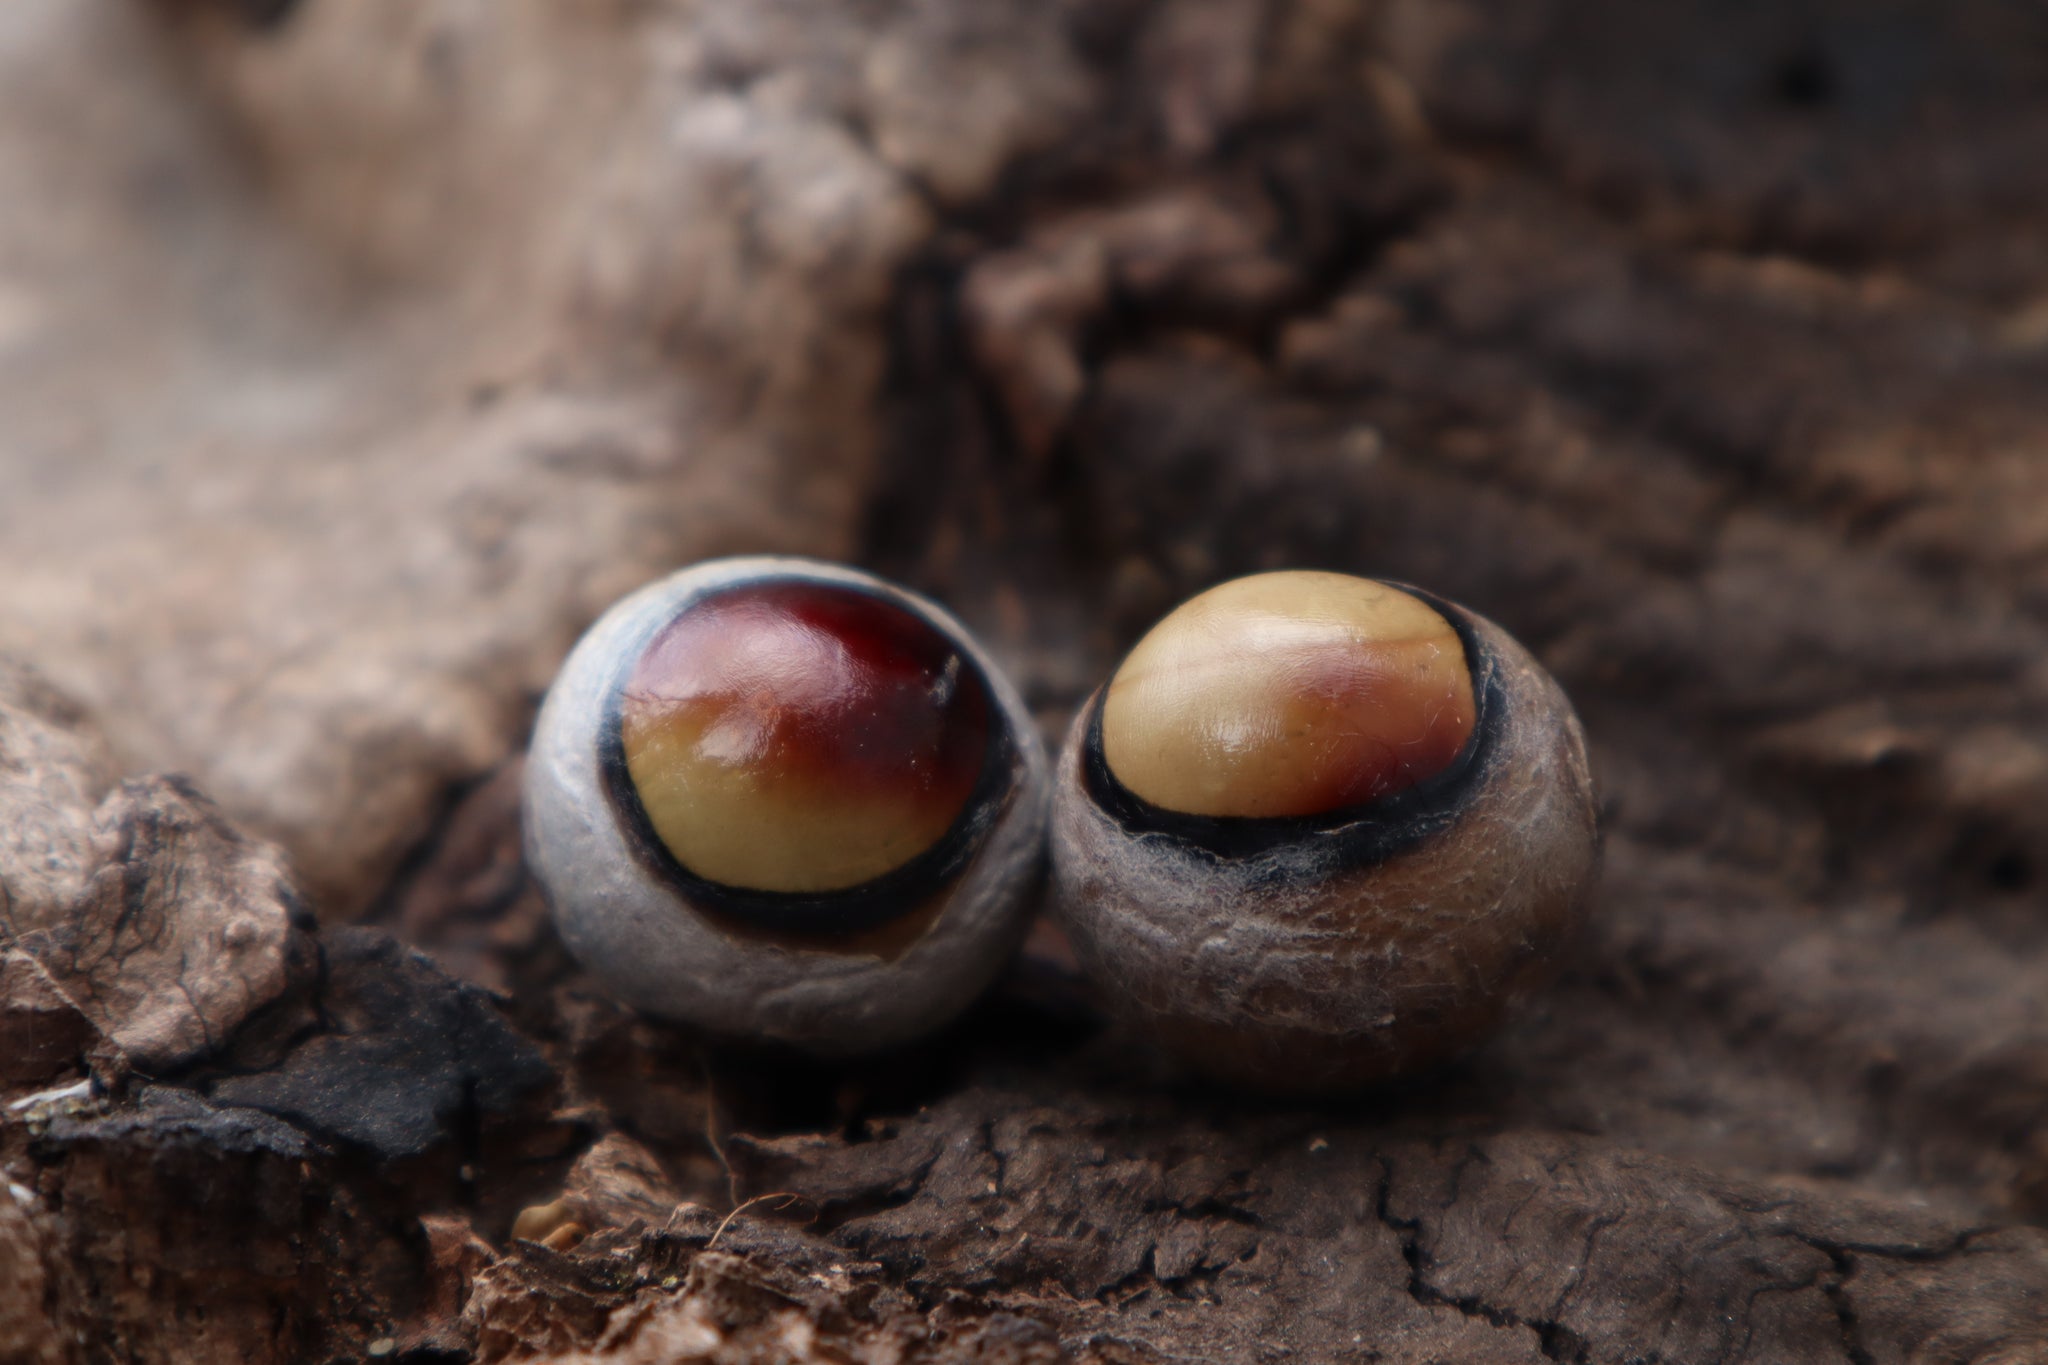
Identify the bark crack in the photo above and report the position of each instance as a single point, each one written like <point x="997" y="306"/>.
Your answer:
<point x="1557" y="1342"/>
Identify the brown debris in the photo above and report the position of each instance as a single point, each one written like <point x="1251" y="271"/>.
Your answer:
<point x="354" y="353"/>
<point x="780" y="1298"/>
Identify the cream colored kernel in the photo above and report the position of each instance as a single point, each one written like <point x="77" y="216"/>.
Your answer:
<point x="1288" y="694"/>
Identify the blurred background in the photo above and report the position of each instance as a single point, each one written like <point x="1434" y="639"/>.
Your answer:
<point x="355" y="353"/>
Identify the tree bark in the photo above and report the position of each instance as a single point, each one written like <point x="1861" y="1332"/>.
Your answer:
<point x="355" y="353"/>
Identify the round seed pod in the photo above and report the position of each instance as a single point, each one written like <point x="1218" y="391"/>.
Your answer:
<point x="786" y="801"/>
<point x="1319" y="830"/>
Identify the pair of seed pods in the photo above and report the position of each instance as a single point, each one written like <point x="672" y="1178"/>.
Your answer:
<point x="1315" y="830"/>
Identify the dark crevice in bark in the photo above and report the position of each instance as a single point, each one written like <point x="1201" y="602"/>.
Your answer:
<point x="1556" y="1341"/>
<point x="1836" y="1288"/>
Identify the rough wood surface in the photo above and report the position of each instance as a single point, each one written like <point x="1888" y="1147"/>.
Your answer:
<point x="355" y="353"/>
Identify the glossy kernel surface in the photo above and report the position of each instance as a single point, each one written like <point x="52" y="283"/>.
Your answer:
<point x="1288" y="694"/>
<point x="795" y="736"/>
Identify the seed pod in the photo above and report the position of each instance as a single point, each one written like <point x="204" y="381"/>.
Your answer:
<point x="786" y="801"/>
<point x="1320" y="830"/>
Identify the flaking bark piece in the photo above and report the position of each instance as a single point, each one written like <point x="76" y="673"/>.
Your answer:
<point x="617" y="1181"/>
<point x="160" y="922"/>
<point x="185" y="930"/>
<point x="405" y="1055"/>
